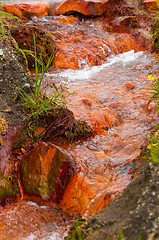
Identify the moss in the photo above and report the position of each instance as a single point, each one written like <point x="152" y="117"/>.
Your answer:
<point x="2" y="192"/>
<point x="36" y="179"/>
<point x="8" y="186"/>
<point x="156" y="33"/>
<point x="82" y="128"/>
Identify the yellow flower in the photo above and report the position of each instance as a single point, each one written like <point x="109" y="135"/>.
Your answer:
<point x="150" y="77"/>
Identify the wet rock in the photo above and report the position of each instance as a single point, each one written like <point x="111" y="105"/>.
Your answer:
<point x="8" y="183"/>
<point x="83" y="45"/>
<point x="137" y="204"/>
<point x="77" y="49"/>
<point x="129" y="86"/>
<point x="151" y="4"/>
<point x="85" y="7"/>
<point x="28" y="10"/>
<point x="76" y="197"/>
<point x="46" y="171"/>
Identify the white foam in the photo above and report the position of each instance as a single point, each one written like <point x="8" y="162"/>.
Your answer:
<point x="32" y="204"/>
<point x="48" y="236"/>
<point x="30" y="237"/>
<point x="87" y="73"/>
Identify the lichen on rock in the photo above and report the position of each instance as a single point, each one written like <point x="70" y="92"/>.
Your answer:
<point x="46" y="170"/>
<point x="3" y="126"/>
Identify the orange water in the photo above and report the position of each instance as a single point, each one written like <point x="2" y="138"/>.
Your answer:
<point x="113" y="99"/>
<point x="120" y="115"/>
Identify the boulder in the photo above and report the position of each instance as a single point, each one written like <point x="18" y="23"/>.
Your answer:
<point x="46" y="170"/>
<point x="85" y="7"/>
<point x="28" y="10"/>
<point x="151" y="4"/>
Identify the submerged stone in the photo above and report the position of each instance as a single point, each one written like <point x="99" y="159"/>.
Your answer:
<point x="46" y="170"/>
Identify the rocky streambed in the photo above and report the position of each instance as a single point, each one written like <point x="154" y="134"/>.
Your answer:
<point x="112" y="98"/>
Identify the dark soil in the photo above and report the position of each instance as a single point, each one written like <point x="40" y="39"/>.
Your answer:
<point x="13" y="74"/>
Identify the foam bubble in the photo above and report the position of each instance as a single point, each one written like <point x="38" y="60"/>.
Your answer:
<point x="86" y="73"/>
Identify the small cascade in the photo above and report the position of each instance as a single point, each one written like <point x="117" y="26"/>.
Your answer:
<point x="106" y="67"/>
<point x="112" y="99"/>
<point x="117" y="90"/>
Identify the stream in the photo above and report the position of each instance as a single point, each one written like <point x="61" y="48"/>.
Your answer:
<point x="113" y="99"/>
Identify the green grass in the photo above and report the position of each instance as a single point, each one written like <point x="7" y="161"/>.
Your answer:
<point x="154" y="142"/>
<point x="155" y="91"/>
<point x="121" y="235"/>
<point x="154" y="150"/>
<point x="154" y="14"/>
<point x="75" y="231"/>
<point x="38" y="102"/>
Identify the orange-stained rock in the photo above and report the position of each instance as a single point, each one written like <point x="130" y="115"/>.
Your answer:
<point x="28" y="10"/>
<point x="129" y="86"/>
<point x="78" y="49"/>
<point x="83" y="45"/>
<point x="81" y="197"/>
<point x="76" y="197"/>
<point x="100" y="122"/>
<point x="85" y="7"/>
<point x="151" y="4"/>
<point x="46" y="171"/>
<point x="14" y="9"/>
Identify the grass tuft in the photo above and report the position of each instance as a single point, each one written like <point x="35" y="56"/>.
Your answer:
<point x="37" y="102"/>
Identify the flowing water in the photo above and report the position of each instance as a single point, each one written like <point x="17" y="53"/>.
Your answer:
<point x="113" y="99"/>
